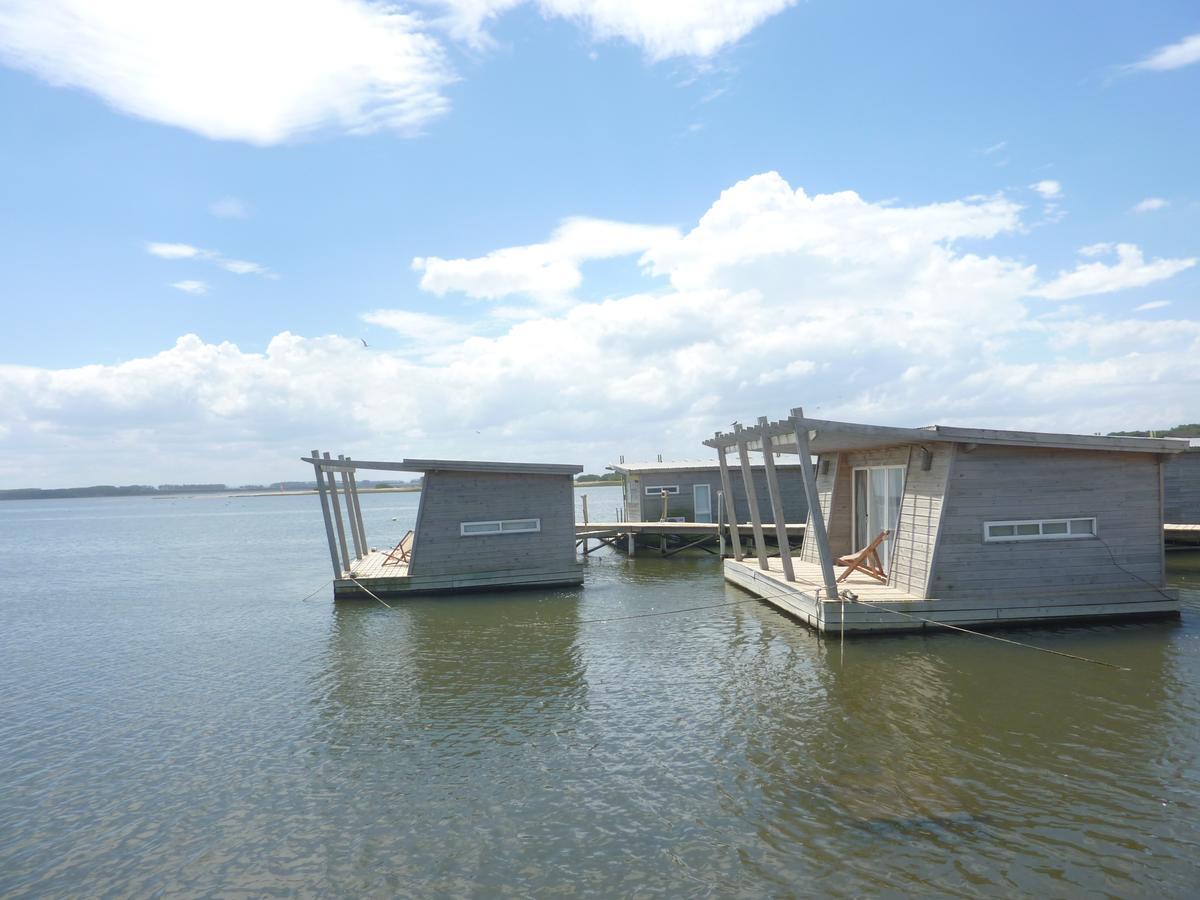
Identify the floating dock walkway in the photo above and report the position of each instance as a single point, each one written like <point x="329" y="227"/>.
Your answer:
<point x="669" y="538"/>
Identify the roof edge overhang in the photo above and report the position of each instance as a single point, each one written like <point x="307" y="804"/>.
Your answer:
<point x="445" y="465"/>
<point x="825" y="436"/>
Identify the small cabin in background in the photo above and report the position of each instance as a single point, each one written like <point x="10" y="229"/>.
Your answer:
<point x="480" y="526"/>
<point x="692" y="488"/>
<point x="1181" y="486"/>
<point x="909" y="527"/>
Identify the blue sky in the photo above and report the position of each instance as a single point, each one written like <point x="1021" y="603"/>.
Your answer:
<point x="206" y="211"/>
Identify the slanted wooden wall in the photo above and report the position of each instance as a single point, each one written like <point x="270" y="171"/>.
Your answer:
<point x="451" y="498"/>
<point x="920" y="518"/>
<point x="989" y="483"/>
<point x="833" y="492"/>
<point x="1181" y="488"/>
<point x="648" y="509"/>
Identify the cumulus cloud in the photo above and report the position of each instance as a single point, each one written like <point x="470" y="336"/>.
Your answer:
<point x="1048" y="188"/>
<point x="1130" y="270"/>
<point x="853" y="308"/>
<point x="546" y="272"/>
<point x="1173" y="56"/>
<point x="1150" y="204"/>
<point x="261" y="72"/>
<point x="174" y="251"/>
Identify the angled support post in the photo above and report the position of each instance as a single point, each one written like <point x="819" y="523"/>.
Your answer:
<point x="760" y="542"/>
<point x="781" y="534"/>
<point x="815" y="514"/>
<point x="336" y="508"/>
<point x="362" y="532"/>
<point x="333" y="554"/>
<point x="730" y="505"/>
<point x="351" y="513"/>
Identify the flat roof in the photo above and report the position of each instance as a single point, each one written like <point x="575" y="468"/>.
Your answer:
<point x="446" y="465"/>
<point x="827" y="436"/>
<point x="687" y="465"/>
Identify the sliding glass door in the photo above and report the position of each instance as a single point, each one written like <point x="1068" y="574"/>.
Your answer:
<point x="877" y="493"/>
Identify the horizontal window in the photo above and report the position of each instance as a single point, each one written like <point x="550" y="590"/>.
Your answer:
<point x="657" y="489"/>
<point x="1039" y="530"/>
<point x="499" y="526"/>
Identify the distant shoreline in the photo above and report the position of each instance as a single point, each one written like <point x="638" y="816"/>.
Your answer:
<point x="193" y="495"/>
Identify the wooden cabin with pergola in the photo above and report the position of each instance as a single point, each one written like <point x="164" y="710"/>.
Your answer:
<point x="480" y="526"/>
<point x="911" y="527"/>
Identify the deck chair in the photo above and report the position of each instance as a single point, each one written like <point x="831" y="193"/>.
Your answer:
<point x="399" y="554"/>
<point x="866" y="560"/>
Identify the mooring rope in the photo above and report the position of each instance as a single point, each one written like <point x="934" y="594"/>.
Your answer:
<point x="361" y="585"/>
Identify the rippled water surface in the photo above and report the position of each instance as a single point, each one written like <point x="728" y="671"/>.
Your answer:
<point x="174" y="718"/>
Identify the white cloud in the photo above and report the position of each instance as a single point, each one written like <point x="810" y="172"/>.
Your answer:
<point x="1173" y="56"/>
<point x="229" y="208"/>
<point x="243" y="267"/>
<point x="1049" y="189"/>
<point x="547" y="272"/>
<point x="995" y="148"/>
<point x="1150" y="204"/>
<point x="174" y="251"/>
<point x="418" y="327"/>
<point x="190" y="286"/>
<point x="1153" y="304"/>
<point x="1129" y="271"/>
<point x="187" y="251"/>
<point x="261" y="72"/>
<point x="662" y="29"/>
<point x="854" y="308"/>
<point x="272" y="71"/>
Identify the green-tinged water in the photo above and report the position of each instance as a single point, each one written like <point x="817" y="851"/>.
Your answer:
<point x="174" y="719"/>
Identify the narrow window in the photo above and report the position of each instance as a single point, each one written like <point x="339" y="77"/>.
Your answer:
<point x="499" y="526"/>
<point x="655" y="490"/>
<point x="1039" y="530"/>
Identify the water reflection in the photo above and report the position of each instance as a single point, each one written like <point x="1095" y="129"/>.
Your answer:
<point x="461" y="673"/>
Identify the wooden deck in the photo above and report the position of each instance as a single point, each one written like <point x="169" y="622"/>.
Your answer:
<point x="879" y="608"/>
<point x="392" y="580"/>
<point x="669" y="538"/>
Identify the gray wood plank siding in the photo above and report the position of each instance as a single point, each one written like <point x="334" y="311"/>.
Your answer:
<point x="993" y="483"/>
<point x="832" y="494"/>
<point x="1181" y="488"/>
<point x="641" y="508"/>
<point x="920" y="516"/>
<point x="451" y="498"/>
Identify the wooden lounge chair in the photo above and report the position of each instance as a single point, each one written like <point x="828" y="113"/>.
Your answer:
<point x="867" y="560"/>
<point x="399" y="553"/>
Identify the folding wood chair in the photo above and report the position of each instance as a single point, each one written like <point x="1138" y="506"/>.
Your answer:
<point x="399" y="553"/>
<point x="867" y="560"/>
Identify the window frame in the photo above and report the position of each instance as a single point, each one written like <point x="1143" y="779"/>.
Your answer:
<point x="655" y="490"/>
<point x="1014" y="538"/>
<point x="499" y="529"/>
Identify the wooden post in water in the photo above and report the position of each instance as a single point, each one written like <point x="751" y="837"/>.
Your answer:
<point x="331" y="483"/>
<point x="815" y="513"/>
<point x="730" y="505"/>
<point x="358" y="550"/>
<point x="333" y="555"/>
<point x="585" y="521"/>
<point x="662" y="538"/>
<point x="362" y="531"/>
<point x="760" y="542"/>
<point x="781" y="532"/>
<point x="720" y="525"/>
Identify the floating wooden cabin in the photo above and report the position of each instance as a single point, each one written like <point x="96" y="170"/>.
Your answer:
<point x="692" y="489"/>
<point x="480" y="526"/>
<point x="1181" y="482"/>
<point x="965" y="526"/>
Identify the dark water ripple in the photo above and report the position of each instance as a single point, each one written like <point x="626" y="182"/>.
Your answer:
<point x="175" y="720"/>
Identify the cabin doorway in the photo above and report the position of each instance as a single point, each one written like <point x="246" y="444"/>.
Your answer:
<point x="877" y="493"/>
<point x="702" y="500"/>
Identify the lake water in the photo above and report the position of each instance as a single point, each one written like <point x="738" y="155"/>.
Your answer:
<point x="175" y="718"/>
